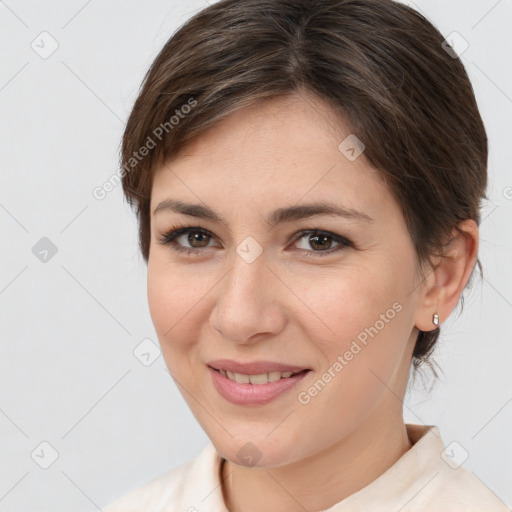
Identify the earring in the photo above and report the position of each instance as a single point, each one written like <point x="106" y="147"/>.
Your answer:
<point x="435" y="319"/>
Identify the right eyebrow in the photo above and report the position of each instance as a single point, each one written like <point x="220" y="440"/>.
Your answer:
<point x="193" y="210"/>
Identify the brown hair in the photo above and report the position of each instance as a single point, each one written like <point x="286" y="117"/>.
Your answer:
<point x="379" y="63"/>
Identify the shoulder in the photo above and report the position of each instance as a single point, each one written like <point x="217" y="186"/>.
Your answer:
<point x="151" y="496"/>
<point x="178" y="487"/>
<point x="445" y="484"/>
<point x="461" y="490"/>
<point x="426" y="478"/>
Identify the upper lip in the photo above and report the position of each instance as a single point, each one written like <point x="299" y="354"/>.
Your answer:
<point x="253" y="367"/>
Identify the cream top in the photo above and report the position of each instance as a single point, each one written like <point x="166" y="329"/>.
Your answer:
<point x="425" y="478"/>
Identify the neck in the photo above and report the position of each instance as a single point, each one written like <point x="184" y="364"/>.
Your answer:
<point x="324" y="479"/>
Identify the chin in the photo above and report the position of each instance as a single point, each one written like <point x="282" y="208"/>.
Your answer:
<point x="258" y="450"/>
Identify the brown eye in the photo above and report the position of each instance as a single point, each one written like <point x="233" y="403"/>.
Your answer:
<point x="190" y="240"/>
<point x="314" y="241"/>
<point x="197" y="239"/>
<point x="321" y="242"/>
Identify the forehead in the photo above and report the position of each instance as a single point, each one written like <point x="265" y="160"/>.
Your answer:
<point x="281" y="150"/>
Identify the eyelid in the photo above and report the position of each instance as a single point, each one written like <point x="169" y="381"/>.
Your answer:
<point x="337" y="238"/>
<point x="174" y="232"/>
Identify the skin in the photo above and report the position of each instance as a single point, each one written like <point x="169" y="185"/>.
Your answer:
<point x="290" y="308"/>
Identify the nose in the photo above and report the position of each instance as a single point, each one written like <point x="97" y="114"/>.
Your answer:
<point x="248" y="306"/>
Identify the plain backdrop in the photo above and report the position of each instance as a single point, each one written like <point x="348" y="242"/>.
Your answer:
<point x="79" y="394"/>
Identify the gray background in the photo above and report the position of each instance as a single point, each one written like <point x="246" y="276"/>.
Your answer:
<point x="70" y="323"/>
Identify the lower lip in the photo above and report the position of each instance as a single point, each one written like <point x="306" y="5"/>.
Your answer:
<point x="252" y="394"/>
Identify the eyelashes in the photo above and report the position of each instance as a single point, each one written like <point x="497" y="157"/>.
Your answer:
<point x="202" y="235"/>
<point x="170" y="238"/>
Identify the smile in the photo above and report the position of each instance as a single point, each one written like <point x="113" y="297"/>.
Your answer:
<point x="251" y="384"/>
<point x="260" y="378"/>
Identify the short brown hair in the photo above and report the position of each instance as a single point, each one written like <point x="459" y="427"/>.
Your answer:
<point x="379" y="63"/>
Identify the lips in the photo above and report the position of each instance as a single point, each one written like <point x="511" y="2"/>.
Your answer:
<point x="254" y="367"/>
<point x="258" y="393"/>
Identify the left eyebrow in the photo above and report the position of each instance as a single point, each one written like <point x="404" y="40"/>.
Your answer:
<point x="309" y="210"/>
<point x="278" y="216"/>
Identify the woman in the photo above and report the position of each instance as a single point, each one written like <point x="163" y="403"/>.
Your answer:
<point x="307" y="177"/>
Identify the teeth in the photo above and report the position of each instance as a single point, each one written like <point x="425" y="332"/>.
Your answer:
<point x="261" y="378"/>
<point x="273" y="376"/>
<point x="244" y="379"/>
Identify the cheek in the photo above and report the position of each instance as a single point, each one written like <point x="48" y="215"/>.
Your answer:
<point x="362" y="336"/>
<point x="173" y="302"/>
<point x="343" y="304"/>
<point x="161" y="300"/>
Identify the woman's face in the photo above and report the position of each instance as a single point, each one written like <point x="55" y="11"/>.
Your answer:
<point x="263" y="289"/>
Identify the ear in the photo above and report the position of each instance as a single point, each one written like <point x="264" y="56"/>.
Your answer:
<point x="445" y="283"/>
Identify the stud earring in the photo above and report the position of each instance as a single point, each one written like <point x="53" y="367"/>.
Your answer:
<point x="435" y="319"/>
